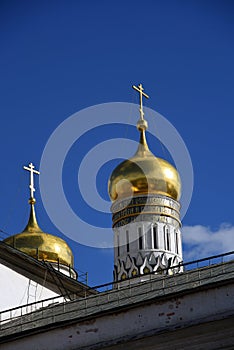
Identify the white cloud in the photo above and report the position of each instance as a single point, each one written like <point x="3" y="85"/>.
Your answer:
<point x="201" y="241"/>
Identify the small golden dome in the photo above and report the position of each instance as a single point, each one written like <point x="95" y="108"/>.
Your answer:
<point x="144" y="174"/>
<point x="40" y="245"/>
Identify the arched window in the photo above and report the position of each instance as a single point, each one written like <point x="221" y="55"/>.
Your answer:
<point x="118" y="245"/>
<point x="127" y="241"/>
<point x="140" y="238"/>
<point x="155" y="237"/>
<point x="176" y="243"/>
<point x="166" y="238"/>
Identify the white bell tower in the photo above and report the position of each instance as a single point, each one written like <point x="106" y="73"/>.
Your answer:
<point x="145" y="192"/>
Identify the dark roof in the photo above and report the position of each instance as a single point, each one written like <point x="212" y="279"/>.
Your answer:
<point x="43" y="273"/>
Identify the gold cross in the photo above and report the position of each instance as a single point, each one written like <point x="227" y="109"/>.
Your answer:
<point x="140" y="89"/>
<point x="30" y="168"/>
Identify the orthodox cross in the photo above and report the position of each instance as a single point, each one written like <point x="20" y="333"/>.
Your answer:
<point x="30" y="168"/>
<point x="140" y="89"/>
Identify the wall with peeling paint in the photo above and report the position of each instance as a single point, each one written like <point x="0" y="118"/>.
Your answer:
<point x="190" y="315"/>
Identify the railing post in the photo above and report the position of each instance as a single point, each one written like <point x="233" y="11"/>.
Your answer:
<point x="21" y="323"/>
<point x="85" y="304"/>
<point x="151" y="285"/>
<point x="64" y="308"/>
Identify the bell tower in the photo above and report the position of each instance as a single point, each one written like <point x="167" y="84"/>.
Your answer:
<point x="145" y="192"/>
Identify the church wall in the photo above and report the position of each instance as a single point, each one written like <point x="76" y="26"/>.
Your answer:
<point x="123" y="328"/>
<point x="18" y="290"/>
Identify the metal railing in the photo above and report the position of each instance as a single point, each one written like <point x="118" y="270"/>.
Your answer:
<point x="184" y="266"/>
<point x="82" y="277"/>
<point x="116" y="293"/>
<point x="19" y="311"/>
<point x="67" y="270"/>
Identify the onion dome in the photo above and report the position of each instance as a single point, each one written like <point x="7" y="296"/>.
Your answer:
<point x="144" y="173"/>
<point x="40" y="245"/>
<point x="36" y="243"/>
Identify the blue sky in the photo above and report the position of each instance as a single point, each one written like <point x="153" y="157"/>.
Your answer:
<point x="58" y="57"/>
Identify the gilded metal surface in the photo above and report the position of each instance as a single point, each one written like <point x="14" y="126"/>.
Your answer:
<point x="142" y="123"/>
<point x="144" y="174"/>
<point x="42" y="246"/>
<point x="32" y="171"/>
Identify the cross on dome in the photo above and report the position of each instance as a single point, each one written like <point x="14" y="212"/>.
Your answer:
<point x="140" y="89"/>
<point x="32" y="171"/>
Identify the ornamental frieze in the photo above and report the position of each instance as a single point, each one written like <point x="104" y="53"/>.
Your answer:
<point x="144" y="200"/>
<point x="148" y="217"/>
<point x="139" y="210"/>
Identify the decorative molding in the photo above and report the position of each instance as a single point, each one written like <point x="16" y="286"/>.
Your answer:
<point x="151" y="263"/>
<point x="149" y="227"/>
<point x="146" y="200"/>
<point x="153" y="217"/>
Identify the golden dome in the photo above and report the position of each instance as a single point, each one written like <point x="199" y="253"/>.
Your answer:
<point x="144" y="174"/>
<point x="40" y="245"/>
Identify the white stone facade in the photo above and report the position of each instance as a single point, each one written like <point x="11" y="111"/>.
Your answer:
<point x="146" y="239"/>
<point x="17" y="289"/>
